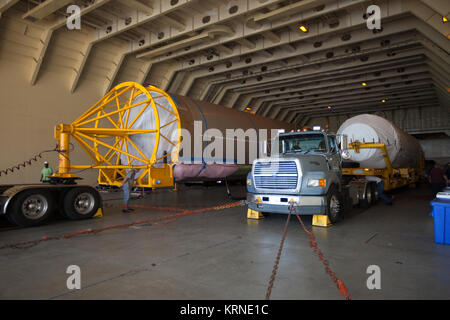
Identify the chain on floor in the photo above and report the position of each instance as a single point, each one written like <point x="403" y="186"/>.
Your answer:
<point x="152" y="221"/>
<point x="313" y="244"/>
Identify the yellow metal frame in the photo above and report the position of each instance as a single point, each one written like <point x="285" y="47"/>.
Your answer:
<point x="104" y="133"/>
<point x="393" y="178"/>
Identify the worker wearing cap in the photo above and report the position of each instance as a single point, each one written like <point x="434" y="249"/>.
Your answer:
<point x="380" y="188"/>
<point x="127" y="186"/>
<point x="46" y="172"/>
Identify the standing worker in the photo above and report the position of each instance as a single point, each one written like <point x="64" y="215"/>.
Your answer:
<point x="447" y="174"/>
<point x="46" y="172"/>
<point x="127" y="186"/>
<point x="438" y="179"/>
<point x="380" y="188"/>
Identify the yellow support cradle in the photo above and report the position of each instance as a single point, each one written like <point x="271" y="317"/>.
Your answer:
<point x="393" y="178"/>
<point x="104" y="133"/>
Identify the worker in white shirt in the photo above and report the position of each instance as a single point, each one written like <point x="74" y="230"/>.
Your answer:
<point x="127" y="186"/>
<point x="380" y="188"/>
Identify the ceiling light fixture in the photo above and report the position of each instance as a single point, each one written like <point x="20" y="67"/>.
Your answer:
<point x="303" y="28"/>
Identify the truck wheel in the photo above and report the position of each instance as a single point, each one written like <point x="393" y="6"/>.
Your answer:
<point x="373" y="188"/>
<point x="31" y="208"/>
<point x="81" y="203"/>
<point x="62" y="196"/>
<point x="335" y="205"/>
<point x="366" y="201"/>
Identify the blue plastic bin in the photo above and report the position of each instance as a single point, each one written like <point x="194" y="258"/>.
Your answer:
<point x="441" y="215"/>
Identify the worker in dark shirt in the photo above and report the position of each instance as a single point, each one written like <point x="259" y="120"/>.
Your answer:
<point x="447" y="173"/>
<point x="438" y="179"/>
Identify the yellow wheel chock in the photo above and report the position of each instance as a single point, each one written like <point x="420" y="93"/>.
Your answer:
<point x="256" y="215"/>
<point x="321" y="221"/>
<point x="99" y="213"/>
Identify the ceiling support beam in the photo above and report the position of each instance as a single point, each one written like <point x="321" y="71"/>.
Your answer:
<point x="78" y="71"/>
<point x="137" y="5"/>
<point x="158" y="12"/>
<point x="176" y="23"/>
<point x="224" y="49"/>
<point x="246" y="43"/>
<point x="45" y="9"/>
<point x="174" y="46"/>
<point x="47" y="36"/>
<point x="272" y="36"/>
<point x="6" y="4"/>
<point x="440" y="6"/>
<point x="42" y="49"/>
<point x="204" y="36"/>
<point x="111" y="77"/>
<point x="286" y="80"/>
<point x="290" y="117"/>
<point x="350" y="112"/>
<point x="144" y="71"/>
<point x="288" y="10"/>
<point x="374" y="103"/>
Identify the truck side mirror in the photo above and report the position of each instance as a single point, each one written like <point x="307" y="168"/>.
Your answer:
<point x="343" y="146"/>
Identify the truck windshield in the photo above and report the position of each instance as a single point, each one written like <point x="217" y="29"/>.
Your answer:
<point x="303" y="143"/>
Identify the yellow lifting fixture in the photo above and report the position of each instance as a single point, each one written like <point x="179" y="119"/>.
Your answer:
<point x="105" y="132"/>
<point x="393" y="177"/>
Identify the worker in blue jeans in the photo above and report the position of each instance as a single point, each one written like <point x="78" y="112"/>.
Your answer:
<point x="127" y="186"/>
<point x="380" y="188"/>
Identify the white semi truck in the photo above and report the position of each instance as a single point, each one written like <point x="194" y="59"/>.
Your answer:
<point x="324" y="174"/>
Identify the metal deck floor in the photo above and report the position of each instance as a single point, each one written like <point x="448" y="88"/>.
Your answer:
<point x="222" y="255"/>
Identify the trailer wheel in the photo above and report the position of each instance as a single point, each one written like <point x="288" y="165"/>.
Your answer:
<point x="335" y="205"/>
<point x="62" y="196"/>
<point x="374" y="189"/>
<point x="31" y="208"/>
<point x="367" y="199"/>
<point x="81" y="203"/>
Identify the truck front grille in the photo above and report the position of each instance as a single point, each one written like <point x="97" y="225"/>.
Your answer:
<point x="276" y="175"/>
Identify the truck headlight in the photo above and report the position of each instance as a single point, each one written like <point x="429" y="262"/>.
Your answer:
<point x="249" y="182"/>
<point x="316" y="183"/>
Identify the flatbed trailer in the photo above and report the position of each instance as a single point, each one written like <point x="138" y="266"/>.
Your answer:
<point x="29" y="205"/>
<point x="393" y="177"/>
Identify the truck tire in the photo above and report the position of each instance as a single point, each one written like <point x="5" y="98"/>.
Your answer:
<point x="373" y="188"/>
<point x="61" y="196"/>
<point x="81" y="203"/>
<point x="31" y="208"/>
<point x="335" y="205"/>
<point x="367" y="200"/>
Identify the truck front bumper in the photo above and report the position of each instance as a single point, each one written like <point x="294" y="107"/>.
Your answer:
<point x="272" y="203"/>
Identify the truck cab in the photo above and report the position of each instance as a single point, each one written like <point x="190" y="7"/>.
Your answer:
<point x="306" y="172"/>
